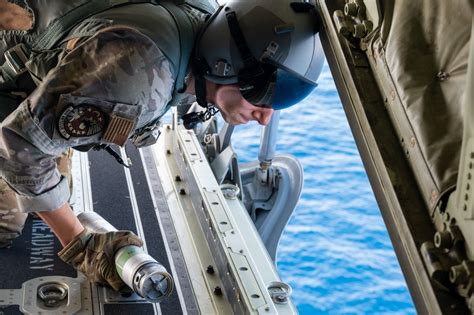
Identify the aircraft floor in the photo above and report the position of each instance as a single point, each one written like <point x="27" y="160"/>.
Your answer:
<point x="126" y="199"/>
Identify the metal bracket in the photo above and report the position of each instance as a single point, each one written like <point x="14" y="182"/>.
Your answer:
<point x="48" y="295"/>
<point x="353" y="21"/>
<point x="16" y="58"/>
<point x="465" y="199"/>
<point x="239" y="254"/>
<point x="225" y="136"/>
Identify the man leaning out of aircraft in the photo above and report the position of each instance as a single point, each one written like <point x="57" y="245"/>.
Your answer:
<point x="104" y="74"/>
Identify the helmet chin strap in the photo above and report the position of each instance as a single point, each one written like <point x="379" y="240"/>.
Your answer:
<point x="200" y="67"/>
<point x="192" y="119"/>
<point x="200" y="85"/>
<point x="253" y="70"/>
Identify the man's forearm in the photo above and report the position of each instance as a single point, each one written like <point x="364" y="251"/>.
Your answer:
<point x="63" y="222"/>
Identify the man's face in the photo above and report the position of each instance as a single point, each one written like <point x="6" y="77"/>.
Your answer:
<point x="234" y="108"/>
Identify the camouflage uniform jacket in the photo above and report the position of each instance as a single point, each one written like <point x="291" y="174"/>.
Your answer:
<point x="110" y="85"/>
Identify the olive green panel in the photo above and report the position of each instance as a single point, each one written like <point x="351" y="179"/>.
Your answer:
<point x="421" y="55"/>
<point x="402" y="87"/>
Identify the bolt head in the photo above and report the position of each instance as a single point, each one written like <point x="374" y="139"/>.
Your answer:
<point x="351" y="9"/>
<point x="369" y="26"/>
<point x="443" y="240"/>
<point x="218" y="291"/>
<point x="359" y="31"/>
<point x="210" y="270"/>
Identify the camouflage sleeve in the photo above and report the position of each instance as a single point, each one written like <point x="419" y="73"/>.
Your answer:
<point x="116" y="73"/>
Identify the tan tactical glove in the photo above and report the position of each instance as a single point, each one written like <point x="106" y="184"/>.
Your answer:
<point x="93" y="255"/>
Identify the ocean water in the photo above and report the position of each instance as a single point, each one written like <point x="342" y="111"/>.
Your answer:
<point x="335" y="251"/>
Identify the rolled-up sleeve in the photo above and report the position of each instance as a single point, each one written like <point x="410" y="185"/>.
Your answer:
<point x="120" y="66"/>
<point x="26" y="167"/>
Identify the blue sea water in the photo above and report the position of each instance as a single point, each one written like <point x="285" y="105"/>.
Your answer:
<point x="335" y="251"/>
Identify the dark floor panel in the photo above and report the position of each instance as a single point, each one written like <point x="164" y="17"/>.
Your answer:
<point x="129" y="309"/>
<point x="111" y="199"/>
<point x="33" y="255"/>
<point x="151" y="227"/>
<point x="10" y="310"/>
<point x="110" y="195"/>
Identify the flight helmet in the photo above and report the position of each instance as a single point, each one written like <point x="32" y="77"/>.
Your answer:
<point x="271" y="48"/>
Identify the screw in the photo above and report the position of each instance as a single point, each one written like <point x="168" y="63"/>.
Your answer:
<point x="458" y="275"/>
<point x="443" y="240"/>
<point x="280" y="298"/>
<point x="168" y="151"/>
<point x="210" y="270"/>
<point x="351" y="9"/>
<point x="359" y="31"/>
<point x="442" y="76"/>
<point x="177" y="178"/>
<point x="182" y="191"/>
<point x="369" y="26"/>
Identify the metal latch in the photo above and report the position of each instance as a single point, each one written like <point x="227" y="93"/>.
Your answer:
<point x="147" y="136"/>
<point x="16" y="58"/>
<point x="52" y="293"/>
<point x="230" y="191"/>
<point x="280" y="292"/>
<point x="222" y="68"/>
<point x="353" y="22"/>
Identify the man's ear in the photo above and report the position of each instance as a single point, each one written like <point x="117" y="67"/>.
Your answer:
<point x="14" y="17"/>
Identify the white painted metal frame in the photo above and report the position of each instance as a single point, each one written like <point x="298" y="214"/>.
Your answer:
<point x="247" y="261"/>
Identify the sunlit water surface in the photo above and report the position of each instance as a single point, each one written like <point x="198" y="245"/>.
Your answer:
<point x="335" y="251"/>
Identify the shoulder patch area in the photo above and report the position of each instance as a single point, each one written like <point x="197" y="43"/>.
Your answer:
<point x="81" y="121"/>
<point x="85" y="120"/>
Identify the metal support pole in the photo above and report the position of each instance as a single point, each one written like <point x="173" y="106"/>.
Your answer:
<point x="268" y="141"/>
<point x="225" y="136"/>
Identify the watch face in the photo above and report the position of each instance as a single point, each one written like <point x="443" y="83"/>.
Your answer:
<point x="81" y="121"/>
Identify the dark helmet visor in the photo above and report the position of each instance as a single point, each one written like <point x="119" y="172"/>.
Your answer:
<point x="278" y="90"/>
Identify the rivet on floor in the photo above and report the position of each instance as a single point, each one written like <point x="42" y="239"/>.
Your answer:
<point x="218" y="291"/>
<point x="210" y="270"/>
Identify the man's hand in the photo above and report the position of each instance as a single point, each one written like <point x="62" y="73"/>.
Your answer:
<point x="93" y="254"/>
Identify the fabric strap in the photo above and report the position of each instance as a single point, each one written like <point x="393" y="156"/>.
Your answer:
<point x="59" y="29"/>
<point x="186" y="41"/>
<point x="61" y="26"/>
